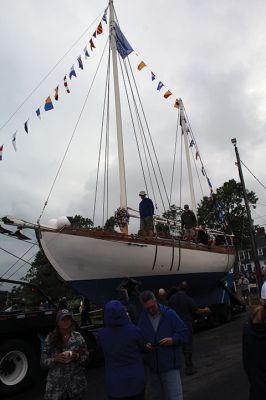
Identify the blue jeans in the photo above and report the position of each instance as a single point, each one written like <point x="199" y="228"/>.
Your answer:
<point x="164" y="385"/>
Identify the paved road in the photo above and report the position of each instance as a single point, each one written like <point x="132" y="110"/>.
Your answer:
<point x="217" y="354"/>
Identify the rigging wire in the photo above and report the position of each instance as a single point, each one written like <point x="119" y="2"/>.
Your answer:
<point x="142" y="137"/>
<point x="152" y="144"/>
<point x="19" y="268"/>
<point x="72" y="136"/>
<point x="106" y="158"/>
<point x="181" y="172"/>
<point x="145" y="148"/>
<point x="134" y="127"/>
<point x="34" y="244"/>
<point x="174" y="159"/>
<point x="49" y="73"/>
<point x="101" y="135"/>
<point x="197" y="172"/>
<point x="196" y="146"/>
<point x="12" y="254"/>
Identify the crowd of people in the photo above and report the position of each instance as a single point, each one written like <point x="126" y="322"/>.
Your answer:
<point x="142" y="346"/>
<point x="142" y="343"/>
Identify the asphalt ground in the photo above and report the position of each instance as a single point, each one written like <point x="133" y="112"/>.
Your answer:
<point x="217" y="355"/>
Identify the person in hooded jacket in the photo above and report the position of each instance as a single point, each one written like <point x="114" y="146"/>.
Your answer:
<point x="122" y="343"/>
<point x="254" y="350"/>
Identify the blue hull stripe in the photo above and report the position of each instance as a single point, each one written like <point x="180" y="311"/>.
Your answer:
<point x="203" y="287"/>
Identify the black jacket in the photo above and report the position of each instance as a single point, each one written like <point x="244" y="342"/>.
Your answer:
<point x="254" y="359"/>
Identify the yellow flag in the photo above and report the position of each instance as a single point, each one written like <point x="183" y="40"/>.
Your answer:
<point x="177" y="104"/>
<point x="141" y="65"/>
<point x="167" y="94"/>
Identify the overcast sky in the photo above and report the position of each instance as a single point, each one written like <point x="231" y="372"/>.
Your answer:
<point x="209" y="53"/>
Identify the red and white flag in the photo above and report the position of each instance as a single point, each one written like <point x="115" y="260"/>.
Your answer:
<point x="66" y="85"/>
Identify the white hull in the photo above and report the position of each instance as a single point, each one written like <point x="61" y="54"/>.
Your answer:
<point x="78" y="257"/>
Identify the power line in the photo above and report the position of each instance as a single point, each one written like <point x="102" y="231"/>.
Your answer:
<point x="253" y="175"/>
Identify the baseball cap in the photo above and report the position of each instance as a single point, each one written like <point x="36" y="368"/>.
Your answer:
<point x="62" y="314"/>
<point x="186" y="206"/>
<point x="142" y="193"/>
<point x="263" y="291"/>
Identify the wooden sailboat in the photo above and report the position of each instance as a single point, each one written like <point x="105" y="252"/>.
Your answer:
<point x="95" y="262"/>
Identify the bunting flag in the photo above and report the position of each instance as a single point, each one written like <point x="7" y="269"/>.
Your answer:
<point x="94" y="34"/>
<point x="38" y="113"/>
<point x="203" y="171"/>
<point x="160" y="85"/>
<point x="92" y="44"/>
<point x="104" y="16"/>
<point x="141" y="65"/>
<point x="177" y="104"/>
<point x="197" y="154"/>
<point x="66" y="85"/>
<point x="99" y="29"/>
<point x="14" y="138"/>
<point x="56" y="96"/>
<point x="191" y="143"/>
<point x="48" y="104"/>
<point x="26" y="126"/>
<point x="72" y="72"/>
<point x="152" y="76"/>
<point x="209" y="183"/>
<point x="86" y="52"/>
<point x="80" y="62"/>
<point x="123" y="46"/>
<point x="167" y="94"/>
<point x="1" y="152"/>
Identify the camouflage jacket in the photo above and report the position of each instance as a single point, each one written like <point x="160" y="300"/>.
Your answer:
<point x="65" y="379"/>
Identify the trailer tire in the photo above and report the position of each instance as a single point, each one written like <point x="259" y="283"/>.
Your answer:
<point x="19" y="366"/>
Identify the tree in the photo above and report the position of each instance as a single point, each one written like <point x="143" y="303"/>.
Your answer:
<point x="172" y="214"/>
<point x="227" y="207"/>
<point x="80" y="222"/>
<point x="42" y="274"/>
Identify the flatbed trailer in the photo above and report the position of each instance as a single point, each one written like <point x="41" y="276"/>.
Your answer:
<point x="22" y="335"/>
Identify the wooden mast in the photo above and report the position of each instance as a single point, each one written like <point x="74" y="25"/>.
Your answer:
<point x="185" y="134"/>
<point x="120" y="146"/>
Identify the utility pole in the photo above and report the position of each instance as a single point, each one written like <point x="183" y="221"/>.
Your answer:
<point x="251" y="226"/>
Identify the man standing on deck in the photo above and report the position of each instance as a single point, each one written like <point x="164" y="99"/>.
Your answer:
<point x="188" y="222"/>
<point x="146" y="212"/>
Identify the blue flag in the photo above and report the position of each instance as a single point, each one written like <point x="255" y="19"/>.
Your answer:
<point x="48" y="104"/>
<point x="72" y="72"/>
<point x="160" y="85"/>
<point x="123" y="47"/>
<point x="80" y="62"/>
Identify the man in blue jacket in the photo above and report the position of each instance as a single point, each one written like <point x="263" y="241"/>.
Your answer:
<point x="164" y="333"/>
<point x="146" y="211"/>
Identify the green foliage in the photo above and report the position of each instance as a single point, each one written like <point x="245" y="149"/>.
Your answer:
<point x="110" y="224"/>
<point x="230" y="199"/>
<point x="81" y="222"/>
<point x="43" y="275"/>
<point x="172" y="214"/>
